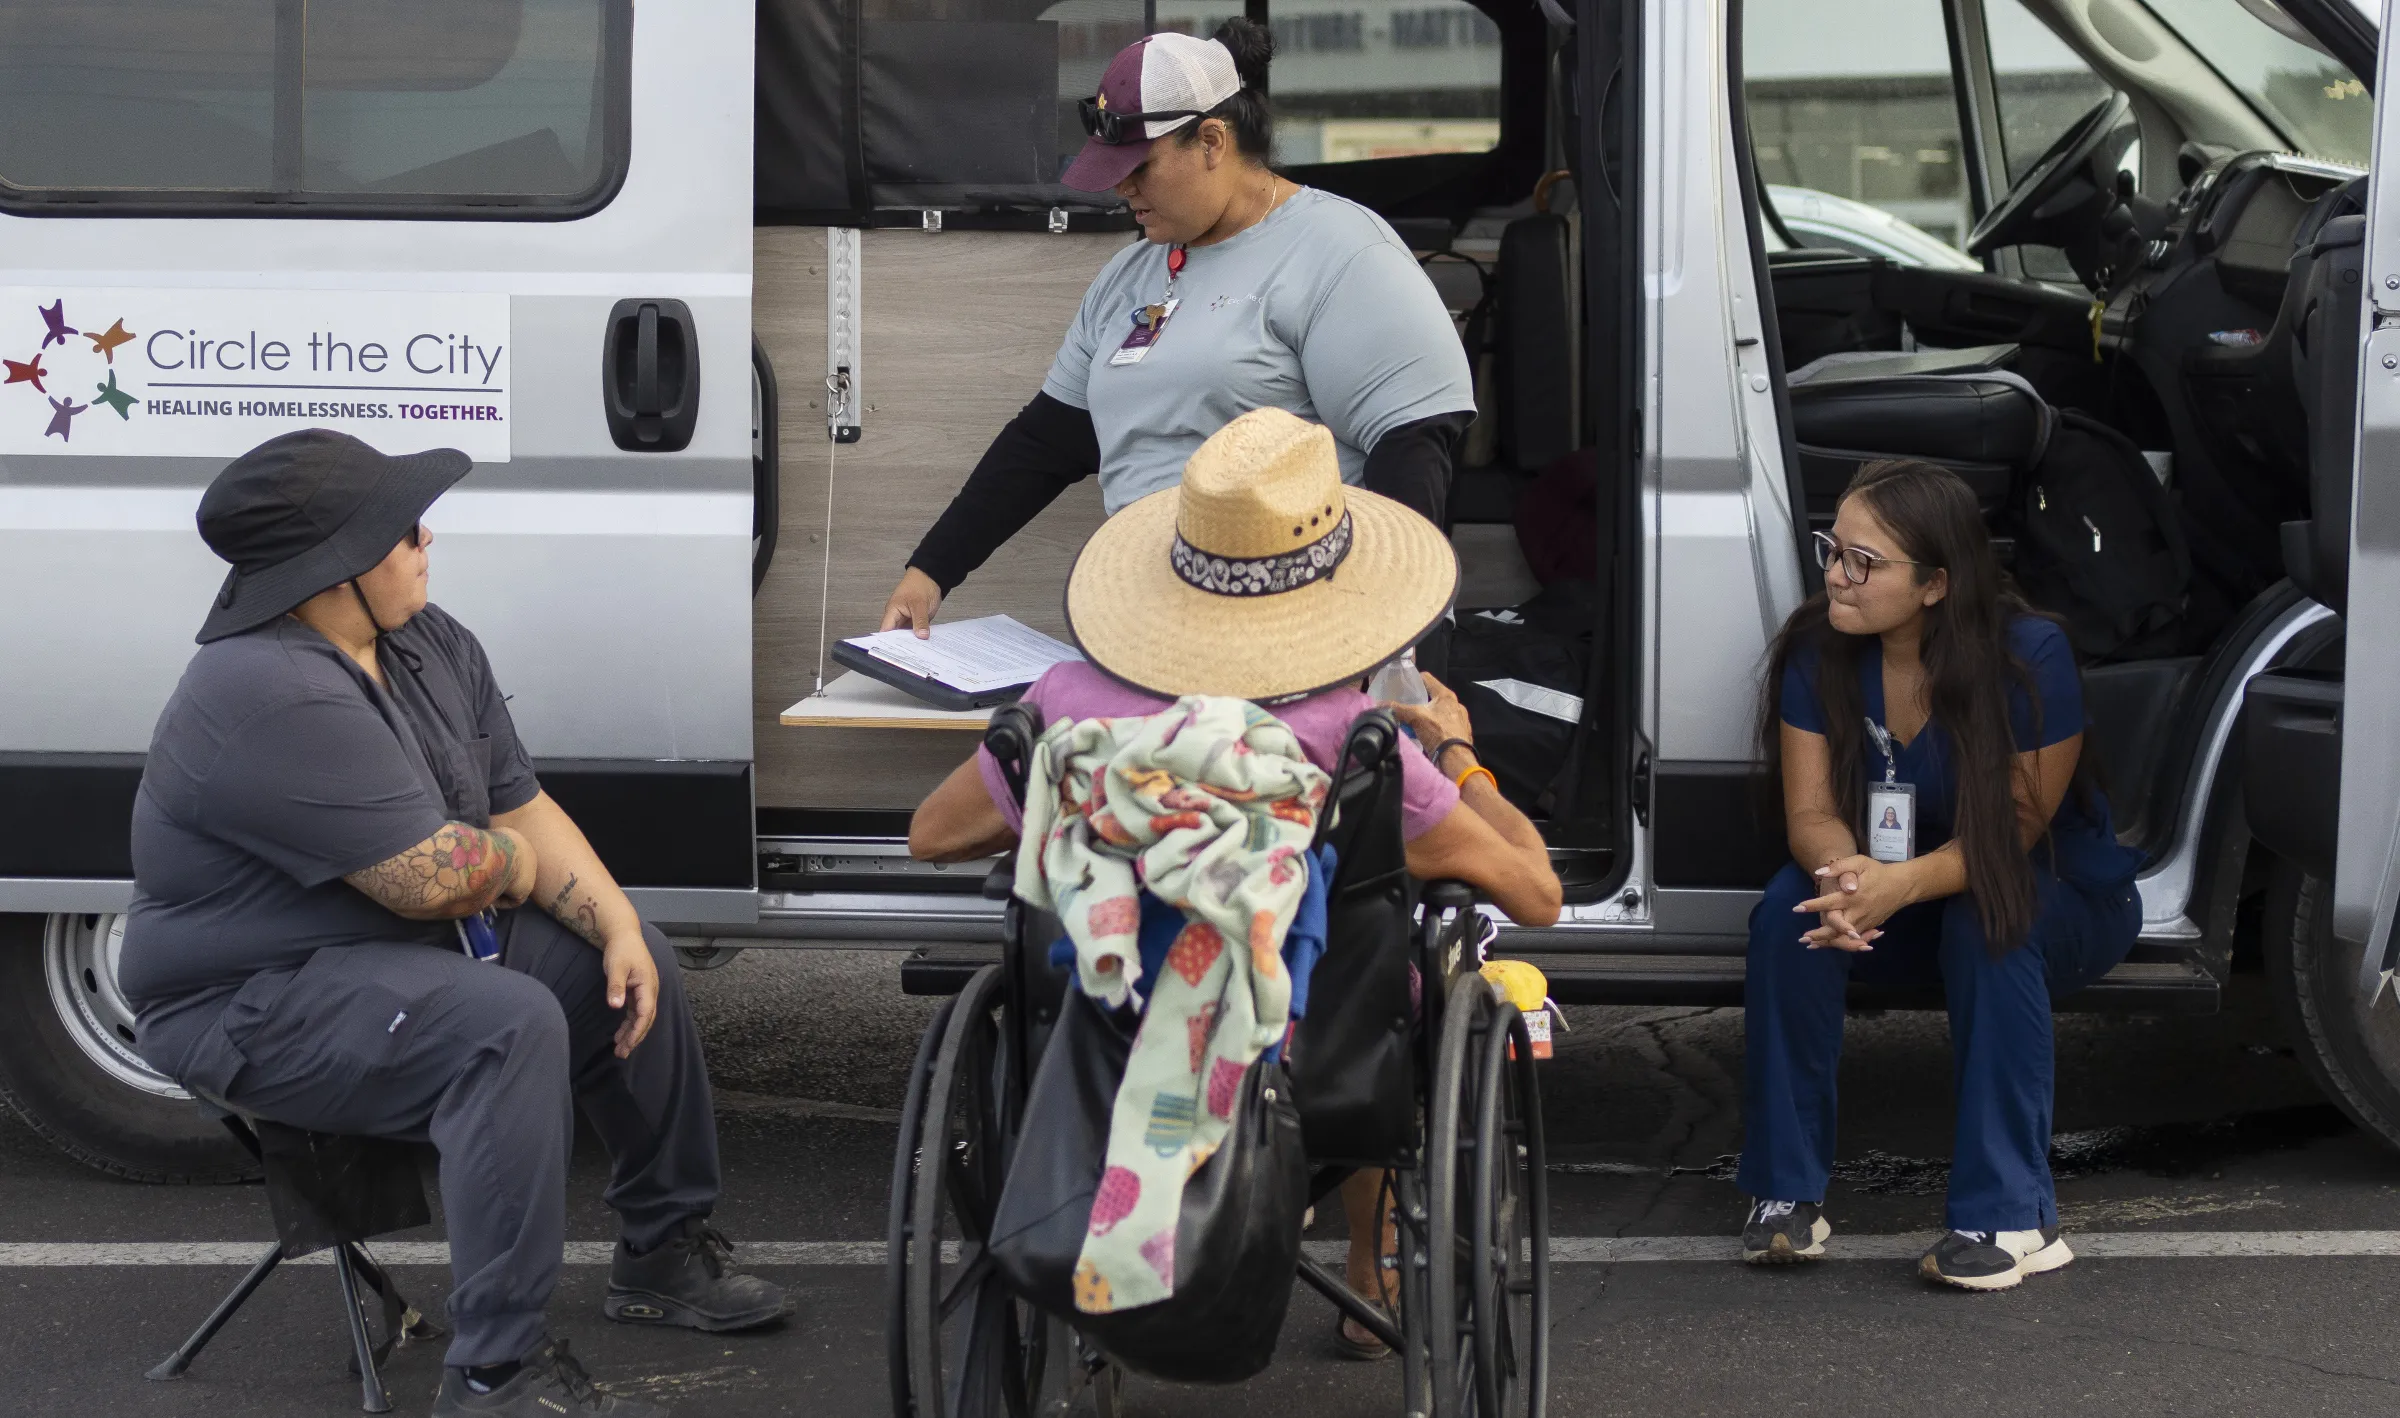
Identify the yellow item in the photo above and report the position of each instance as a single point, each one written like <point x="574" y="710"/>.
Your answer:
<point x="1520" y="983"/>
<point x="1487" y="777"/>
<point x="1524" y="986"/>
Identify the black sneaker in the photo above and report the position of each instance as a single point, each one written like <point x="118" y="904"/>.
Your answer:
<point x="550" y="1384"/>
<point x="1993" y="1260"/>
<point x="1782" y="1232"/>
<point x="686" y="1282"/>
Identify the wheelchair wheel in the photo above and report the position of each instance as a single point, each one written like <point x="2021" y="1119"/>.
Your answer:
<point x="968" y="1348"/>
<point x="1488" y="1198"/>
<point x="971" y="1349"/>
<point x="903" y="1193"/>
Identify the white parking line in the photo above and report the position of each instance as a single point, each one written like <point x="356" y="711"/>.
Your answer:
<point x="1564" y="1250"/>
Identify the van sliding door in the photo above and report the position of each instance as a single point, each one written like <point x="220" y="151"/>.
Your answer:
<point x="2366" y="879"/>
<point x="424" y="225"/>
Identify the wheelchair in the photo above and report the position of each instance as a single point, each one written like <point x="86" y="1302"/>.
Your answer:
<point x="1434" y="1083"/>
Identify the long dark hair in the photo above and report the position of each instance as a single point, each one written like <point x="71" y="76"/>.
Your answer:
<point x="1969" y="671"/>
<point x="1246" y="114"/>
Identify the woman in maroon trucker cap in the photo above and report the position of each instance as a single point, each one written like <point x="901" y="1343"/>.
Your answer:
<point x="1251" y="291"/>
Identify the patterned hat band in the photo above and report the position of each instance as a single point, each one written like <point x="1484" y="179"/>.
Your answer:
<point x="1261" y="575"/>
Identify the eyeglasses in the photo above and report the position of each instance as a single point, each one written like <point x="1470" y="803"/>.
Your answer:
<point x="1857" y="564"/>
<point x="418" y="536"/>
<point x="1116" y="129"/>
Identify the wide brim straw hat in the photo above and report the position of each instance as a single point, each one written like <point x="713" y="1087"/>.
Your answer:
<point x="1262" y="576"/>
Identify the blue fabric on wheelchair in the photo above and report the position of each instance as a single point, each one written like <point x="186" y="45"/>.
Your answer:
<point x="1303" y="944"/>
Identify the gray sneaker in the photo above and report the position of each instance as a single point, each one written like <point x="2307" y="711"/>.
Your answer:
<point x="1783" y="1232"/>
<point x="688" y="1282"/>
<point x="550" y="1385"/>
<point x="1993" y="1260"/>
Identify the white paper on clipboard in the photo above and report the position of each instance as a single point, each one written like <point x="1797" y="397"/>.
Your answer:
<point x="971" y="656"/>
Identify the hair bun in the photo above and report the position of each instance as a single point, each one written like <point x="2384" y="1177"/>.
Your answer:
<point x="1251" y="46"/>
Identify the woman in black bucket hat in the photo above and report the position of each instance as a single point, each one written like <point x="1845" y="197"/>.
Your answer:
<point x="308" y="511"/>
<point x="356" y="911"/>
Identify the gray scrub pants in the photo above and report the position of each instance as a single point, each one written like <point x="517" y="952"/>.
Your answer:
<point x="488" y="1063"/>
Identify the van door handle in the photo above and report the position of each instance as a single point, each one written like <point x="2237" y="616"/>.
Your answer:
<point x="650" y="375"/>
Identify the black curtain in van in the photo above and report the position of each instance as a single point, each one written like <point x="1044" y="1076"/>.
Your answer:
<point x="891" y="106"/>
<point x="806" y="145"/>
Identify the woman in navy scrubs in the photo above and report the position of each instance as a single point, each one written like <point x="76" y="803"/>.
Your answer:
<point x="1919" y="694"/>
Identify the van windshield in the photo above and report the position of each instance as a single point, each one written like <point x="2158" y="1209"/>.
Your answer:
<point x="2319" y="106"/>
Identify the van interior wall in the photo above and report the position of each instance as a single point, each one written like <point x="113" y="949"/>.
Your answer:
<point x="959" y="329"/>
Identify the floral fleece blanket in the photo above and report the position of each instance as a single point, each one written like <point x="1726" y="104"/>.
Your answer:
<point x="1209" y="805"/>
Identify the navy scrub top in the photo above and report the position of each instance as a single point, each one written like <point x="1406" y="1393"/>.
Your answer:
<point x="2088" y="853"/>
<point x="279" y="767"/>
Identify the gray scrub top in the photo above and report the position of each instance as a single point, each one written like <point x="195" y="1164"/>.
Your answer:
<point x="1319" y="309"/>
<point x="278" y="767"/>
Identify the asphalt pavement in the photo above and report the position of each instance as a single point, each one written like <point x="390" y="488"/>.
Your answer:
<point x="2241" y="1252"/>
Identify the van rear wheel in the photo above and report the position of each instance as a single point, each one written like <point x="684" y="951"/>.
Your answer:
<point x="2353" y="1052"/>
<point x="68" y="1068"/>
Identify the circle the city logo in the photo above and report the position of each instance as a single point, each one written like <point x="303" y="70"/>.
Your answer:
<point x="61" y="364"/>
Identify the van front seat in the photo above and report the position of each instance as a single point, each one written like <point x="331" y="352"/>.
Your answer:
<point x="2327" y="272"/>
<point x="1961" y="408"/>
<point x="1532" y="333"/>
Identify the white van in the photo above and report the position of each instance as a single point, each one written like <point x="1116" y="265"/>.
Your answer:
<point x="528" y="228"/>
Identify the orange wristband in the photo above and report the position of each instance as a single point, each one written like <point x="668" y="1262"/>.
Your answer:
<point x="1487" y="777"/>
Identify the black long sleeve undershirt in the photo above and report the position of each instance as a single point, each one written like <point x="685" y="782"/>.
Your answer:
<point x="1412" y="465"/>
<point x="1051" y="445"/>
<point x="1047" y="448"/>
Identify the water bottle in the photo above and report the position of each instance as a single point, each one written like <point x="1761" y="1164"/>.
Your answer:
<point x="1398" y="682"/>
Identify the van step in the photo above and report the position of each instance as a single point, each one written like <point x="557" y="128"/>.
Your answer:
<point x="2135" y="987"/>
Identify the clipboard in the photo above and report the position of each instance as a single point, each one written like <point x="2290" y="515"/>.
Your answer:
<point x="968" y="664"/>
<point x="932" y="691"/>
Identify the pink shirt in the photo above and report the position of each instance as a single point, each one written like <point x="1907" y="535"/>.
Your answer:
<point x="1075" y="690"/>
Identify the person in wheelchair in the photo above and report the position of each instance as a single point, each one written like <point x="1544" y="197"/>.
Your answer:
<point x="1262" y="577"/>
<point x="356" y="911"/>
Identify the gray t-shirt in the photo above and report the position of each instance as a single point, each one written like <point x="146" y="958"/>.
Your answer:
<point x="1318" y="309"/>
<point x="279" y="767"/>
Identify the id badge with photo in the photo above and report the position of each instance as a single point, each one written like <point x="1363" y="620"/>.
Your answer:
<point x="1891" y="821"/>
<point x="1149" y="322"/>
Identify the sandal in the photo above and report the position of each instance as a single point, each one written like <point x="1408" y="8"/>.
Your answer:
<point x="1369" y="1349"/>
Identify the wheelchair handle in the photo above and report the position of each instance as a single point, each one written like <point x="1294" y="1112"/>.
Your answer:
<point x="1448" y="894"/>
<point x="1010" y="738"/>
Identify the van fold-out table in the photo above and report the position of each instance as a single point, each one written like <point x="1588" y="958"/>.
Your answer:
<point x="854" y="701"/>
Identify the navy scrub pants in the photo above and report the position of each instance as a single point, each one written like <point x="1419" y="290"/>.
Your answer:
<point x="488" y="1063"/>
<point x="2000" y="1038"/>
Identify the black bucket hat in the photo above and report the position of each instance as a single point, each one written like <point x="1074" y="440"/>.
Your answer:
<point x="308" y="510"/>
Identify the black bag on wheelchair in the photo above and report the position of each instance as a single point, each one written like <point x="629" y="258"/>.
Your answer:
<point x="1237" y="1241"/>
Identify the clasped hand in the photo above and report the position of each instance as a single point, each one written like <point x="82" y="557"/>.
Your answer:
<point x="1860" y="895"/>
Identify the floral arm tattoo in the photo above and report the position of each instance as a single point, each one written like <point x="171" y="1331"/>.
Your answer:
<point x="458" y="871"/>
<point x="577" y="911"/>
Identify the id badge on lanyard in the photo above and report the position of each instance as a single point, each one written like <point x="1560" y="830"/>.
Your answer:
<point x="479" y="938"/>
<point x="1891" y="807"/>
<point x="1150" y="321"/>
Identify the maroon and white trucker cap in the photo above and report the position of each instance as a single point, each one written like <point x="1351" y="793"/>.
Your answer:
<point x="1160" y="73"/>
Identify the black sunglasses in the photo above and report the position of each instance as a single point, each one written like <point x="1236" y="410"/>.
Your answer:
<point x="1116" y="129"/>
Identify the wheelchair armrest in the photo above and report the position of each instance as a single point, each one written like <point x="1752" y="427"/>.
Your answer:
<point x="1000" y="880"/>
<point x="1448" y="895"/>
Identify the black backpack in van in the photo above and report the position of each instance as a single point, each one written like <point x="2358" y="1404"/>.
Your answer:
<point x="2100" y="543"/>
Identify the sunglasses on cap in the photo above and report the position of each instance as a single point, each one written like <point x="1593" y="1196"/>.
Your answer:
<point x="1117" y="129"/>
